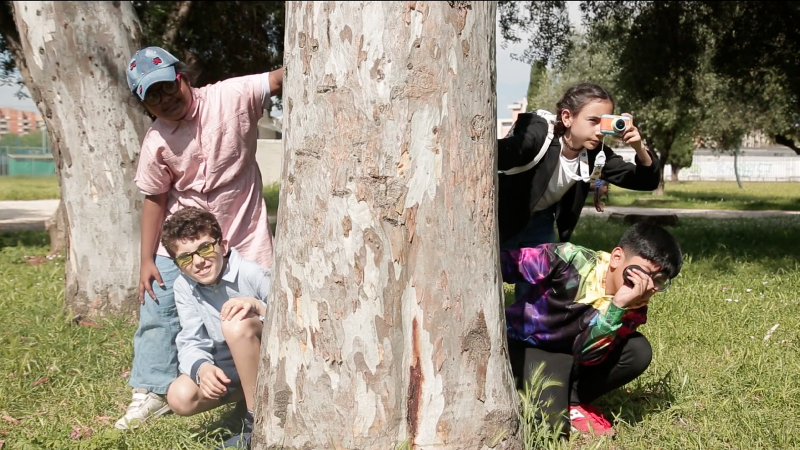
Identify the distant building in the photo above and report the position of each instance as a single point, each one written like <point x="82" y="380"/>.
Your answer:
<point x="504" y="125"/>
<point x="18" y="122"/>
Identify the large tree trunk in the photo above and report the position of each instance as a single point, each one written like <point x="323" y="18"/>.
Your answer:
<point x="75" y="54"/>
<point x="386" y="323"/>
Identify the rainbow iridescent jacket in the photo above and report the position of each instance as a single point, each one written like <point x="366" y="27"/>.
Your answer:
<point x="567" y="308"/>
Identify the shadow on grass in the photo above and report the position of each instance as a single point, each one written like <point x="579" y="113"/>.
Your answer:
<point x="24" y="239"/>
<point x="230" y="423"/>
<point x="634" y="402"/>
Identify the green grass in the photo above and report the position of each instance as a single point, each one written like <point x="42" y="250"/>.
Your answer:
<point x="46" y="188"/>
<point x="29" y="188"/>
<point x="714" y="381"/>
<point x="712" y="195"/>
<point x="271" y="195"/>
<point x="692" y="194"/>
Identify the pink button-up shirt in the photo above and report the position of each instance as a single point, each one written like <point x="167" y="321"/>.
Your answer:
<point x="208" y="160"/>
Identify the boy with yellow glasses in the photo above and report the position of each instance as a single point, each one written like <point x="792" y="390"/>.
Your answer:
<point x="221" y="302"/>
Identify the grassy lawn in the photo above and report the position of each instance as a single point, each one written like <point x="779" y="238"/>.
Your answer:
<point x="712" y="195"/>
<point x="692" y="194"/>
<point x="29" y="188"/>
<point x="46" y="188"/>
<point x="715" y="382"/>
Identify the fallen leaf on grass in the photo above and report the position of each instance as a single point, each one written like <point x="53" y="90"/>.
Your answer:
<point x="86" y="323"/>
<point x="80" y="432"/>
<point x="124" y="374"/>
<point x="10" y="419"/>
<point x="771" y="330"/>
<point x="103" y="419"/>
<point x="40" y="381"/>
<point x="2" y="443"/>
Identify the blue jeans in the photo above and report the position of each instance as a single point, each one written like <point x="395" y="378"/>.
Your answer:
<point x="155" y="355"/>
<point x="539" y="230"/>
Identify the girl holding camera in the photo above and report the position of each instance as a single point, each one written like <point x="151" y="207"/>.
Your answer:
<point x="554" y="191"/>
<point x="532" y="200"/>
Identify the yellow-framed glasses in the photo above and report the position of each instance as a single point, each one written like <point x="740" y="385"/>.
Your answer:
<point x="203" y="251"/>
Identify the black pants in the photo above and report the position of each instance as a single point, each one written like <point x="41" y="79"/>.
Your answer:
<point x="579" y="384"/>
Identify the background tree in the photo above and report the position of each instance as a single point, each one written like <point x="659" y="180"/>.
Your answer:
<point x="660" y="46"/>
<point x="68" y="54"/>
<point x="219" y="39"/>
<point x="387" y="325"/>
<point x="681" y="153"/>
<point x="536" y="83"/>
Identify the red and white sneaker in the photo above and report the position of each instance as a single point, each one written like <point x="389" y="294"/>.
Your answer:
<point x="587" y="419"/>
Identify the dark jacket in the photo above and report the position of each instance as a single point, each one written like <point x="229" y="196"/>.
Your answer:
<point x="516" y="191"/>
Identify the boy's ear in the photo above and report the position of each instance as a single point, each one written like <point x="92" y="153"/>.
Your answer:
<point x="224" y="244"/>
<point x="617" y="257"/>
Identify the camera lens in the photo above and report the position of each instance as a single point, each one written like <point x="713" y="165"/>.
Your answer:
<point x="619" y="125"/>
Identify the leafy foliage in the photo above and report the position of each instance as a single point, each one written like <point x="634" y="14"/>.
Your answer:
<point x="218" y="39"/>
<point x="537" y="81"/>
<point x="665" y="50"/>
<point x="547" y="23"/>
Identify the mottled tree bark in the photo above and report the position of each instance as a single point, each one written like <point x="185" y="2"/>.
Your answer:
<point x="74" y="60"/>
<point x="385" y="323"/>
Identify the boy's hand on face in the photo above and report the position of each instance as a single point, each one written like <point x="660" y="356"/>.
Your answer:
<point x="643" y="288"/>
<point x="240" y="307"/>
<point x="212" y="381"/>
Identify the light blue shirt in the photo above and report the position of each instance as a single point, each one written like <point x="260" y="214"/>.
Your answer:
<point x="199" y="309"/>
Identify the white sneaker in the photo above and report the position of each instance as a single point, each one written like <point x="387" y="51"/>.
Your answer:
<point x="145" y="405"/>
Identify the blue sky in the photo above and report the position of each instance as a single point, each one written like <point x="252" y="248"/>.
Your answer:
<point x="512" y="76"/>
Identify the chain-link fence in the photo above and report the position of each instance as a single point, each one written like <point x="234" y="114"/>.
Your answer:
<point x="26" y="161"/>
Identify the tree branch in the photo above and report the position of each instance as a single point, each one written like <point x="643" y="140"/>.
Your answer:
<point x="783" y="140"/>
<point x="175" y="23"/>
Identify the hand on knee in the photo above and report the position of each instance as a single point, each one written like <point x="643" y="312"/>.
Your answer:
<point x="248" y="328"/>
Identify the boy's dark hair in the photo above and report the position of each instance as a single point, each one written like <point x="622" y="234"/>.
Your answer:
<point x="188" y="223"/>
<point x="654" y="244"/>
<point x="576" y="98"/>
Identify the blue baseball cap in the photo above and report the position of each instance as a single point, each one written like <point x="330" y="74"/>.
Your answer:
<point x="149" y="66"/>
